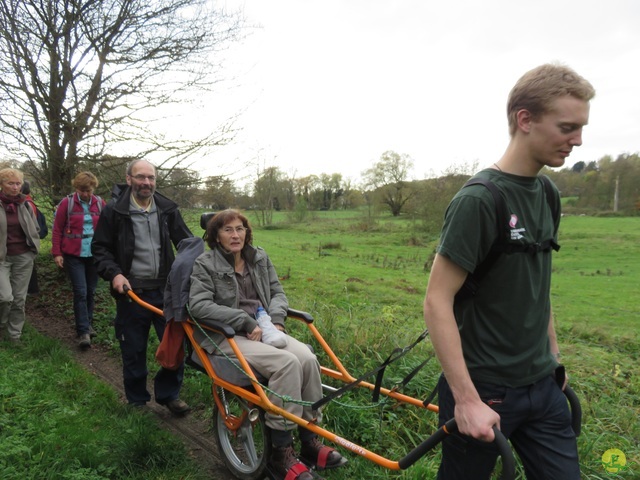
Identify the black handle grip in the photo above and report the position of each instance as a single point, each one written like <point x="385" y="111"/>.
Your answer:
<point x="576" y="410"/>
<point x="508" y="461"/>
<point x="417" y="453"/>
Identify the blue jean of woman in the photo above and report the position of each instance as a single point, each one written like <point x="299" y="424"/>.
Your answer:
<point x="84" y="280"/>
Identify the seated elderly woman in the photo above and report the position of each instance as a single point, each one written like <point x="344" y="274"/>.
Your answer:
<point x="228" y="284"/>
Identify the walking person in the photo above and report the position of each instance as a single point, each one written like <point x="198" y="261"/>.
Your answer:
<point x="34" y="288"/>
<point x="73" y="228"/>
<point x="133" y="248"/>
<point x="497" y="345"/>
<point x="19" y="245"/>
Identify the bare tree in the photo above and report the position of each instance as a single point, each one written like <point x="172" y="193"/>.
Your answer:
<point x="388" y="177"/>
<point x="80" y="76"/>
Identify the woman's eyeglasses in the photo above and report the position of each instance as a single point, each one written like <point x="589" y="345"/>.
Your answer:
<point x="230" y="230"/>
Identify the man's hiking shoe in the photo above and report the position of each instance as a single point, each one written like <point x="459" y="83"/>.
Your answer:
<point x="85" y="341"/>
<point x="92" y="332"/>
<point x="178" y="407"/>
<point x="320" y="456"/>
<point x="285" y="463"/>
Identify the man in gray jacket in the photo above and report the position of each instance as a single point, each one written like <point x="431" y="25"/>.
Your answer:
<point x="133" y="248"/>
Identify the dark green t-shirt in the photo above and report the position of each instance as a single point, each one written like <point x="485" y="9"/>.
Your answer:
<point x="504" y="326"/>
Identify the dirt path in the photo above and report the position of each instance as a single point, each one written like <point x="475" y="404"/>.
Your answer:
<point x="106" y="366"/>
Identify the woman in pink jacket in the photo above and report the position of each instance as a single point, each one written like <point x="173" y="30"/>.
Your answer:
<point x="76" y="218"/>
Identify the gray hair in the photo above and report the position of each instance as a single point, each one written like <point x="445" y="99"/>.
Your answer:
<point x="133" y="163"/>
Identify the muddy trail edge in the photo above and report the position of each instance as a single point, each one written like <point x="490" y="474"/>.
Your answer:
<point x="106" y="365"/>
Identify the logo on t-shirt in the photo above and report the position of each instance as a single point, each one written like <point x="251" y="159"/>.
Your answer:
<point x="516" y="233"/>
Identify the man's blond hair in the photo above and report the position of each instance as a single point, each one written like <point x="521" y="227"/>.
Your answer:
<point x="536" y="90"/>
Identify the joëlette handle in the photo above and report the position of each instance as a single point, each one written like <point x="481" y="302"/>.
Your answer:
<point x="508" y="461"/>
<point x="576" y="410"/>
<point x="130" y="293"/>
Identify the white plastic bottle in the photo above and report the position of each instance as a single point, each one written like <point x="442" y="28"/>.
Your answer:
<point x="270" y="334"/>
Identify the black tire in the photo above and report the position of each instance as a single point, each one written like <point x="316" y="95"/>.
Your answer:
<point x="246" y="451"/>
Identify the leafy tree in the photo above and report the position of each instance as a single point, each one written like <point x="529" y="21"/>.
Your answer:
<point x="388" y="178"/>
<point x="433" y="197"/>
<point x="352" y="197"/>
<point x="331" y="190"/>
<point x="80" y="76"/>
<point x="181" y="185"/>
<point x="287" y="194"/>
<point x="605" y="185"/>
<point x="244" y="198"/>
<point x="592" y="166"/>
<point x="304" y="188"/>
<point x="579" y="167"/>
<point x="219" y="193"/>
<point x="624" y="179"/>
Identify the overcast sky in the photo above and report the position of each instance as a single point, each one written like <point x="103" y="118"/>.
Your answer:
<point x="329" y="85"/>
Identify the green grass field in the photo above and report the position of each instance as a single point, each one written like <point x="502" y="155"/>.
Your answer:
<point x="363" y="280"/>
<point x="364" y="283"/>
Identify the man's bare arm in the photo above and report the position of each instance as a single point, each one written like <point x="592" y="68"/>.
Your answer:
<point x="473" y="417"/>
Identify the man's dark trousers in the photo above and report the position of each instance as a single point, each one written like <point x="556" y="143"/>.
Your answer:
<point x="132" y="325"/>
<point x="535" y="418"/>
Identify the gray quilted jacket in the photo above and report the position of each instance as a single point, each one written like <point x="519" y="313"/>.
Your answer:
<point x="213" y="294"/>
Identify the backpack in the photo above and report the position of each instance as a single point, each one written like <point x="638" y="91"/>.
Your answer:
<point x="42" y="223"/>
<point x="501" y="245"/>
<point x="70" y="202"/>
<point x="40" y="218"/>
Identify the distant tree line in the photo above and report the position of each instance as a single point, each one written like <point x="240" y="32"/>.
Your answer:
<point x="604" y="187"/>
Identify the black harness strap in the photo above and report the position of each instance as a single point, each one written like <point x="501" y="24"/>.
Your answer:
<point x="502" y="245"/>
<point x="396" y="354"/>
<point x="412" y="374"/>
<point x="434" y="392"/>
<point x="472" y="282"/>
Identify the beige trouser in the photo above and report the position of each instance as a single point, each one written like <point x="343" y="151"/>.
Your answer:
<point x="15" y="273"/>
<point x="293" y="371"/>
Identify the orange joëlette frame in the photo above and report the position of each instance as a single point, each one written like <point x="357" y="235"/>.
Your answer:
<point x="260" y="398"/>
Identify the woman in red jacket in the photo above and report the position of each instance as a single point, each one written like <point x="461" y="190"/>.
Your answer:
<point x="76" y="218"/>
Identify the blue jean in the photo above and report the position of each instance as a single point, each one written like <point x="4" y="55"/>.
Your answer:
<point x="132" y="325"/>
<point x="84" y="279"/>
<point x="535" y="418"/>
